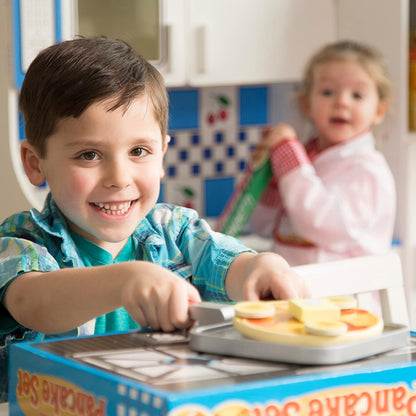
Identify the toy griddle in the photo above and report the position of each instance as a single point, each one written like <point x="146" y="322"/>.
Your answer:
<point x="281" y="337"/>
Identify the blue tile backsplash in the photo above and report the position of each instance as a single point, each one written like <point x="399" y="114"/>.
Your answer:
<point x="212" y="131"/>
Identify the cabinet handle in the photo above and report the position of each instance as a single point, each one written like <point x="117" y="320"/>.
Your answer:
<point x="166" y="49"/>
<point x="200" y="49"/>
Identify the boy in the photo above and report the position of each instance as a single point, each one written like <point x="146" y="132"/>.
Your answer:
<point x="102" y="255"/>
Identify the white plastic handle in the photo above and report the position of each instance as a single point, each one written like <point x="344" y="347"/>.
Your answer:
<point x="200" y="35"/>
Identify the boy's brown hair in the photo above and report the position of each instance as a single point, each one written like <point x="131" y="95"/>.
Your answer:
<point x="65" y="78"/>
<point x="365" y="55"/>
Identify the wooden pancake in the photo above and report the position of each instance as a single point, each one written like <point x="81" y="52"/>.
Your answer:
<point x="282" y="328"/>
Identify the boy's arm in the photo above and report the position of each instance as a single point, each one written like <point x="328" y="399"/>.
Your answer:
<point x="58" y="301"/>
<point x="263" y="276"/>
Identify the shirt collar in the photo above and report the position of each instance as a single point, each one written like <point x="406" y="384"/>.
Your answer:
<point x="359" y="145"/>
<point x="52" y="221"/>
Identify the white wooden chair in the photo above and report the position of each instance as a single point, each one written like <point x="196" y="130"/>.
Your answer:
<point x="361" y="276"/>
<point x="4" y="409"/>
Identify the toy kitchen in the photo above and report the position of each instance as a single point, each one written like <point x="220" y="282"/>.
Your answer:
<point x="229" y="74"/>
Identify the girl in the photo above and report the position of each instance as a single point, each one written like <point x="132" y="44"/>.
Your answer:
<point x="334" y="197"/>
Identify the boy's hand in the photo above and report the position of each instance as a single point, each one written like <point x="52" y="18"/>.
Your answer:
<point x="156" y="297"/>
<point x="53" y="302"/>
<point x="268" y="275"/>
<point x="264" y="276"/>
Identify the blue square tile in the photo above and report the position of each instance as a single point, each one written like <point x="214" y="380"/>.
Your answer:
<point x="253" y="106"/>
<point x="183" y="109"/>
<point x="219" y="137"/>
<point x="219" y="167"/>
<point x="217" y="193"/>
<point x="230" y="151"/>
<point x="195" y="169"/>
<point x="183" y="155"/>
<point x="171" y="171"/>
<point x="207" y="153"/>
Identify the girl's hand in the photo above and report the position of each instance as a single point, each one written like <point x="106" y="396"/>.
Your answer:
<point x="156" y="297"/>
<point x="272" y="136"/>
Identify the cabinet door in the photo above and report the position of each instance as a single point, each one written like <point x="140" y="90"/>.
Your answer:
<point x="173" y="65"/>
<point x="255" y="41"/>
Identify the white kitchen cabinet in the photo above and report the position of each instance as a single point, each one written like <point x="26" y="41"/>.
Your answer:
<point x="174" y="55"/>
<point x="240" y="42"/>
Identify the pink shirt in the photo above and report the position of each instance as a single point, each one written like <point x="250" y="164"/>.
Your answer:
<point x="335" y="204"/>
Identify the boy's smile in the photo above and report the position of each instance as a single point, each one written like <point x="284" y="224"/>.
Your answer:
<point x="104" y="169"/>
<point x="113" y="208"/>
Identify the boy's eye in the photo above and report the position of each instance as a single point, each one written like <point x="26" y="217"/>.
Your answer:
<point x="89" y="155"/>
<point x="357" y="95"/>
<point x="139" y="151"/>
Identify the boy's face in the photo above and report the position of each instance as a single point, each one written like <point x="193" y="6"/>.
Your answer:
<point x="104" y="170"/>
<point x="344" y="102"/>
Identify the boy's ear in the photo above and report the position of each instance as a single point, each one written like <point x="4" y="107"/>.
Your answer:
<point x="382" y="108"/>
<point x="165" y="147"/>
<point x="165" y="144"/>
<point x="31" y="163"/>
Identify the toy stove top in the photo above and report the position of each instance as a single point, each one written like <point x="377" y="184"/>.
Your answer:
<point x="165" y="361"/>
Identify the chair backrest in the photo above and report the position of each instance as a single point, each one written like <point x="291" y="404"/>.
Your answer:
<point x="361" y="277"/>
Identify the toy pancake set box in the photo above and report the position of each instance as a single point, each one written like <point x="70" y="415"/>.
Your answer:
<point x="270" y="358"/>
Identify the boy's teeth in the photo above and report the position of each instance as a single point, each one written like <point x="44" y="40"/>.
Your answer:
<point x="114" y="209"/>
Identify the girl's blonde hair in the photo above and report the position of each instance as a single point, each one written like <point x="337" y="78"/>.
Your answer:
<point x="368" y="57"/>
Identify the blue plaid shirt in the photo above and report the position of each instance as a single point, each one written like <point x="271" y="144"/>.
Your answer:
<point x="171" y="236"/>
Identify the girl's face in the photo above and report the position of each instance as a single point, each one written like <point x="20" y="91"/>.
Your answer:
<point x="343" y="102"/>
<point x="104" y="169"/>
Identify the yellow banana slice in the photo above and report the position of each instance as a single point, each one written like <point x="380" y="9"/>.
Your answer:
<point x="326" y="328"/>
<point x="254" y="310"/>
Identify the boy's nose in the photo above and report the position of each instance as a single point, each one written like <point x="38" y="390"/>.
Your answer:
<point x="116" y="174"/>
